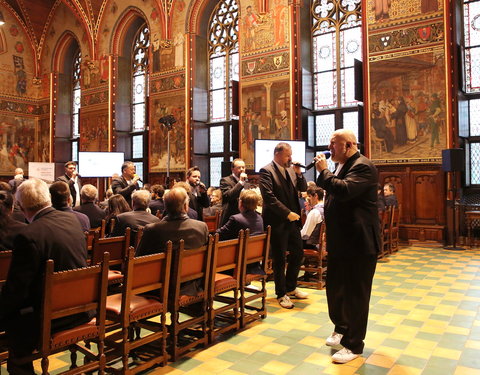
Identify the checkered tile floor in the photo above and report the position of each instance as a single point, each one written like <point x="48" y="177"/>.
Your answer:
<point x="424" y="319"/>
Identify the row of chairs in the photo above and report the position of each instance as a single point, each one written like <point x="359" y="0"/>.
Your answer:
<point x="390" y="232"/>
<point x="151" y="288"/>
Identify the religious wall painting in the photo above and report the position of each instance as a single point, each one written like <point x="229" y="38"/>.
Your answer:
<point x="160" y="137"/>
<point x="263" y="29"/>
<point x="43" y="136"/>
<point x="265" y="115"/>
<point x="407" y="114"/>
<point x="17" y="143"/>
<point x="381" y="12"/>
<point x="94" y="131"/>
<point x="20" y="74"/>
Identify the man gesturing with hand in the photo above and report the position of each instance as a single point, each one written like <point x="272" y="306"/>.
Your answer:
<point x="280" y="184"/>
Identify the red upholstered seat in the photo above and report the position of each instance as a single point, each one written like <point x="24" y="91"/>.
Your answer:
<point x="186" y="300"/>
<point x="224" y="282"/>
<point x="140" y="307"/>
<point x="71" y="336"/>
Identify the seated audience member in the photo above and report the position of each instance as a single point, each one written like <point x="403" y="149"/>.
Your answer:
<point x="127" y="183"/>
<point x="389" y="194"/>
<point x="191" y="213"/>
<point x="380" y="199"/>
<point x="116" y="205"/>
<point x="147" y="187"/>
<point x="95" y="214"/>
<point x="311" y="228"/>
<point x="51" y="234"/>
<point x="156" y="204"/>
<point x="62" y="201"/>
<point x="303" y="198"/>
<point x="104" y="204"/>
<point x="16" y="180"/>
<point x="9" y="227"/>
<point x="175" y="226"/>
<point x="248" y="218"/>
<point x="215" y="203"/>
<point x="17" y="214"/>
<point x="139" y="217"/>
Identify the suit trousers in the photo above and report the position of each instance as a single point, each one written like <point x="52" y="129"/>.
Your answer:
<point x="286" y="237"/>
<point x="349" y="285"/>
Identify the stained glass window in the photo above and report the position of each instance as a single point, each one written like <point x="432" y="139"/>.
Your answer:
<point x="76" y="103"/>
<point x="325" y="127"/>
<point x="139" y="92"/>
<point x="216" y="139"/>
<point x="223" y="56"/>
<point x="471" y="14"/>
<point x="215" y="171"/>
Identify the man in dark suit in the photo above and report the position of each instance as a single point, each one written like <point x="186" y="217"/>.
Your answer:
<point x="175" y="226"/>
<point x="95" y="214"/>
<point x="248" y="218"/>
<point x="127" y="183"/>
<point x="135" y="219"/>
<point x="9" y="228"/>
<point x="198" y="195"/>
<point x="353" y="241"/>
<point x="62" y="201"/>
<point x="280" y="184"/>
<point x="389" y="195"/>
<point x="51" y="234"/>
<point x="16" y="180"/>
<point x="231" y="187"/>
<point x="72" y="179"/>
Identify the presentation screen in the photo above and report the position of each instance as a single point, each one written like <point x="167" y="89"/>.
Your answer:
<point x="99" y="164"/>
<point x="264" y="151"/>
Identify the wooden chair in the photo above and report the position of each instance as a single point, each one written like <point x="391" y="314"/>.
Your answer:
<point x="65" y="294"/>
<point x="117" y="247"/>
<point x="315" y="264"/>
<point x="5" y="260"/>
<point x="394" y="237"/>
<point x="385" y="220"/>
<point x="224" y="298"/>
<point x="256" y="251"/>
<point x="144" y="296"/>
<point x="213" y="222"/>
<point x="188" y="266"/>
<point x="139" y="236"/>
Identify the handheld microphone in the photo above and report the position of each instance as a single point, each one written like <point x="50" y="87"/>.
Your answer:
<point x="312" y="164"/>
<point x="139" y="179"/>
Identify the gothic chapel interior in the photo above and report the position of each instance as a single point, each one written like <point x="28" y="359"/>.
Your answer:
<point x="98" y="75"/>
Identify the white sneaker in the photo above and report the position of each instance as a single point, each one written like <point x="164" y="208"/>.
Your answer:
<point x="334" y="339"/>
<point x="285" y="302"/>
<point x="298" y="294"/>
<point x="344" y="355"/>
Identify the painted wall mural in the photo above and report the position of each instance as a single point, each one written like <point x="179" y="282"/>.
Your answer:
<point x="17" y="143"/>
<point x="43" y="136"/>
<point x="94" y="131"/>
<point x="408" y="108"/>
<point x="265" y="114"/>
<point x="163" y="106"/>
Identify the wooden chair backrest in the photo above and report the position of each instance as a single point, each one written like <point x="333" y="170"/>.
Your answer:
<point x="71" y="292"/>
<point x="395" y="219"/>
<point x="190" y="265"/>
<point x="257" y="248"/>
<point x="103" y="228"/>
<point x="386" y="218"/>
<point x="116" y="246"/>
<point x="213" y="222"/>
<point x="5" y="260"/>
<point x="227" y="255"/>
<point x="146" y="274"/>
<point x="139" y="236"/>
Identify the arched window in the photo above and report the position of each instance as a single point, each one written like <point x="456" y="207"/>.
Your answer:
<point x="141" y="42"/>
<point x="76" y="103"/>
<point x="223" y="67"/>
<point x="336" y="43"/>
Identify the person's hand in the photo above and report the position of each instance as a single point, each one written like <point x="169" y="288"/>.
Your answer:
<point x="135" y="178"/>
<point x="296" y="167"/>
<point x="201" y="187"/>
<point x="243" y="177"/>
<point x="292" y="216"/>
<point x="321" y="162"/>
<point x="74" y="174"/>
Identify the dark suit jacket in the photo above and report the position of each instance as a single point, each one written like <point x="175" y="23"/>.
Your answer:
<point x="156" y="205"/>
<point x="13" y="227"/>
<point x="121" y="186"/>
<point x="198" y="202"/>
<point x="71" y="185"/>
<point x="82" y="218"/>
<point x="155" y="236"/>
<point x="245" y="220"/>
<point x="278" y="202"/>
<point x="133" y="220"/>
<point x="391" y="200"/>
<point x="95" y="214"/>
<point x="231" y="190"/>
<point x="53" y="235"/>
<point x="351" y="215"/>
<point x="15" y="183"/>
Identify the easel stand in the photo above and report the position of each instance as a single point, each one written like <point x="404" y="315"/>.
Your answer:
<point x="454" y="246"/>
